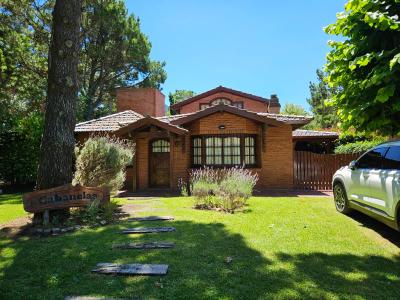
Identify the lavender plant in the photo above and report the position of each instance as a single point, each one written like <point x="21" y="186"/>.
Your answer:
<point x="225" y="189"/>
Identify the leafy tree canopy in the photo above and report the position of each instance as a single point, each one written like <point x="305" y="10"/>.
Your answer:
<point x="180" y="95"/>
<point x="113" y="52"/>
<point x="294" y="109"/>
<point x="325" y="116"/>
<point x="365" y="66"/>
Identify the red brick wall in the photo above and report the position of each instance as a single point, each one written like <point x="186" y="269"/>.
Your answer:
<point x="233" y="124"/>
<point x="277" y="160"/>
<point x="180" y="157"/>
<point x="146" y="101"/>
<point x="249" y="104"/>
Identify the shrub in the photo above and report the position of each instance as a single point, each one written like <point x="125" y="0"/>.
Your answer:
<point x="236" y="188"/>
<point x="226" y="189"/>
<point x="19" y="148"/>
<point x="101" y="162"/>
<point x="357" y="147"/>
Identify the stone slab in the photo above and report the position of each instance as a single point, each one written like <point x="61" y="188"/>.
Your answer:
<point x="89" y="298"/>
<point x="131" y="269"/>
<point x="150" y="245"/>
<point x="152" y="218"/>
<point x="148" y="230"/>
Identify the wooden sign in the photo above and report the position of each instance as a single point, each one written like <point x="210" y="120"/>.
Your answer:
<point x="63" y="197"/>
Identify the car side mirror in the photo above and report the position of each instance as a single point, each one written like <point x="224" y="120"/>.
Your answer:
<point x="353" y="165"/>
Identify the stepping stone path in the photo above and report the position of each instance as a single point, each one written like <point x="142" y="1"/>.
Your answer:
<point x="138" y="269"/>
<point x="131" y="269"/>
<point x="148" y="230"/>
<point x="89" y="298"/>
<point x="152" y="218"/>
<point x="152" y="245"/>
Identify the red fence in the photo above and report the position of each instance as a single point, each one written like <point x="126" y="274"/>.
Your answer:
<point x="314" y="171"/>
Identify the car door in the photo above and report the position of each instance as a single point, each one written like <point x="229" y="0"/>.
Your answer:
<point x="385" y="183"/>
<point x="366" y="165"/>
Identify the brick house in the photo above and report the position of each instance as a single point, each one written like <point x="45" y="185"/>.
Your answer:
<point x="219" y="128"/>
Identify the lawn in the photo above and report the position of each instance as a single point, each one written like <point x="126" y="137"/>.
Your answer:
<point x="11" y="207"/>
<point x="281" y="248"/>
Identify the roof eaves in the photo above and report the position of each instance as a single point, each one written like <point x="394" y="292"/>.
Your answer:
<point x="229" y="109"/>
<point x="226" y="90"/>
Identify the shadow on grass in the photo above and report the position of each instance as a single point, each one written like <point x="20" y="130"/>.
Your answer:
<point x="11" y="199"/>
<point x="383" y="230"/>
<point x="52" y="268"/>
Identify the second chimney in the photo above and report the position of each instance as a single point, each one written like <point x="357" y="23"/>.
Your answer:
<point x="145" y="101"/>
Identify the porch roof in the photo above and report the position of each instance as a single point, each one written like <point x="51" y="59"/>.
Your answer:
<point x="302" y="134"/>
<point x="147" y="121"/>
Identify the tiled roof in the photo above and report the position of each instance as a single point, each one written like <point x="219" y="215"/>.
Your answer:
<point x="290" y="119"/>
<point x="273" y="101"/>
<point x="314" y="133"/>
<point x="171" y="118"/>
<point x="117" y="121"/>
<point x="110" y="122"/>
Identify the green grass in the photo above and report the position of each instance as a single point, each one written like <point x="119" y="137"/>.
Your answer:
<point x="282" y="248"/>
<point x="11" y="207"/>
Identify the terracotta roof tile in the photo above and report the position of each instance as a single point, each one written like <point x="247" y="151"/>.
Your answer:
<point x="291" y="119"/>
<point x="116" y="121"/>
<point x="110" y="122"/>
<point x="314" y="133"/>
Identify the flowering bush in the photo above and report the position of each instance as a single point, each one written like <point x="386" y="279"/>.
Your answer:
<point x="226" y="189"/>
<point x="102" y="161"/>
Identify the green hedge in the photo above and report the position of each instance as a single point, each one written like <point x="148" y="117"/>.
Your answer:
<point x="357" y="147"/>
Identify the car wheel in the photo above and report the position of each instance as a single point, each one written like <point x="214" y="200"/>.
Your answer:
<point x="340" y="198"/>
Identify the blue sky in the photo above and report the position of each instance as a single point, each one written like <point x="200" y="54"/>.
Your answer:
<point x="260" y="47"/>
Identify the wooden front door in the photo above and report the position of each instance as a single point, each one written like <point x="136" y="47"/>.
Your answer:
<point x="159" y="163"/>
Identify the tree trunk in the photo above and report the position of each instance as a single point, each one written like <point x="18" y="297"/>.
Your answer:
<point x="57" y="147"/>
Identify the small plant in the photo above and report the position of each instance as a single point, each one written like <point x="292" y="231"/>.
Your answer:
<point x="101" y="162"/>
<point x="183" y="188"/>
<point x="95" y="214"/>
<point x="226" y="189"/>
<point x="108" y="210"/>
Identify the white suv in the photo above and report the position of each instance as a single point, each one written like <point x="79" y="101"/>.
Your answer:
<point x="371" y="184"/>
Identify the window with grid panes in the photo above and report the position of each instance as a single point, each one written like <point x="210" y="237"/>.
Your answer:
<point x="197" y="151"/>
<point x="160" y="146"/>
<point x="213" y="153"/>
<point x="231" y="150"/>
<point x="224" y="150"/>
<point x="249" y="151"/>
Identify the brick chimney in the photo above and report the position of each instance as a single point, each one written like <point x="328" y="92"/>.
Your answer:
<point x="274" y="105"/>
<point x="145" y="101"/>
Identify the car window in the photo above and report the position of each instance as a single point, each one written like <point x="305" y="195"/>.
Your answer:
<point x="392" y="158"/>
<point x="372" y="159"/>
